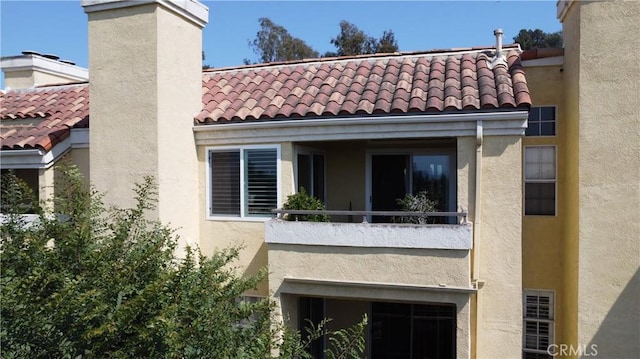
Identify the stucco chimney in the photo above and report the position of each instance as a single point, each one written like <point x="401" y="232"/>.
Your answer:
<point x="145" y="59"/>
<point x="32" y="69"/>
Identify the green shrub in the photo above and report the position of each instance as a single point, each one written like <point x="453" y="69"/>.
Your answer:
<point x="304" y="201"/>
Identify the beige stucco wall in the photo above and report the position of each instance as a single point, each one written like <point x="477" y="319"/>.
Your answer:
<point x="389" y="269"/>
<point x="604" y="62"/>
<point x="31" y="78"/>
<point x="499" y="300"/>
<point x="216" y="234"/>
<point x="145" y="89"/>
<point x="543" y="237"/>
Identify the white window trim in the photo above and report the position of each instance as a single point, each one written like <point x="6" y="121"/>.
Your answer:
<point x="241" y="217"/>
<point x="554" y="181"/>
<point x="555" y="123"/>
<point x="552" y="328"/>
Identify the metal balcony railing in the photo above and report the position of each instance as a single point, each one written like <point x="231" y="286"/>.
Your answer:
<point x="461" y="217"/>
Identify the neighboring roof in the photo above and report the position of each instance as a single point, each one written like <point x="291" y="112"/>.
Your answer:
<point x="40" y="118"/>
<point x="439" y="81"/>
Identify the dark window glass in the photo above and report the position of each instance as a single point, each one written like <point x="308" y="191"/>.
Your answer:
<point x="413" y="331"/>
<point x="304" y="173"/>
<point x="540" y="198"/>
<point x="542" y="121"/>
<point x="225" y="183"/>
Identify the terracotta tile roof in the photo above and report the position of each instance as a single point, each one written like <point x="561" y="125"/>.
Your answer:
<point x="42" y="117"/>
<point x="365" y="85"/>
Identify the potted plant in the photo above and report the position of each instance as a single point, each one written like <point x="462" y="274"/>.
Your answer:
<point x="304" y="201"/>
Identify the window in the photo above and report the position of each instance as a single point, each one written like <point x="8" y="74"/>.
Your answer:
<point x="540" y="180"/>
<point x="311" y="173"/>
<point x="538" y="324"/>
<point x="393" y="175"/>
<point x="542" y="121"/>
<point x="401" y="330"/>
<point x="244" y="182"/>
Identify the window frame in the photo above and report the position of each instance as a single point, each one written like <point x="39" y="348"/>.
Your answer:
<point x="311" y="151"/>
<point x="551" y="294"/>
<point x="555" y="121"/>
<point x="554" y="180"/>
<point x="241" y="216"/>
<point x="411" y="152"/>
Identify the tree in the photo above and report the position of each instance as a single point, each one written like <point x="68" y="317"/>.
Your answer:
<point x="353" y="41"/>
<point x="274" y="43"/>
<point x="535" y="39"/>
<point x="85" y="281"/>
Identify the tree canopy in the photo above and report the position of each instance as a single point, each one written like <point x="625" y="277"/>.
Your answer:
<point x="536" y="39"/>
<point x="274" y="43"/>
<point x="85" y="281"/>
<point x="353" y="41"/>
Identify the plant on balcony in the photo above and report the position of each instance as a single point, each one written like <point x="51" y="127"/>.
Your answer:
<point x="420" y="202"/>
<point x="304" y="202"/>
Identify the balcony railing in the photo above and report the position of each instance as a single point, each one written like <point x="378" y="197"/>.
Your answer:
<point x="461" y="217"/>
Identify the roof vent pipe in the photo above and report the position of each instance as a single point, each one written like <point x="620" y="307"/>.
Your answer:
<point x="498" y="59"/>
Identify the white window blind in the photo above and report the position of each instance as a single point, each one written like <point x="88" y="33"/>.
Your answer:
<point x="225" y="182"/>
<point x="538" y="323"/>
<point x="261" y="181"/>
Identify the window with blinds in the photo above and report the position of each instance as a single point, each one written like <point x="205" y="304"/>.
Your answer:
<point x="540" y="180"/>
<point x="261" y="184"/>
<point x="243" y="182"/>
<point x="538" y="323"/>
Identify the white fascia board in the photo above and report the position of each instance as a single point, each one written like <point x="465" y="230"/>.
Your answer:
<point x="79" y="138"/>
<point x="192" y="10"/>
<point x="33" y="158"/>
<point x="511" y="123"/>
<point x="545" y="61"/>
<point x="45" y="65"/>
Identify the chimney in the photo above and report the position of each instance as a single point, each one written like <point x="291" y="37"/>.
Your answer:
<point x="32" y="69"/>
<point x="498" y="58"/>
<point x="145" y="58"/>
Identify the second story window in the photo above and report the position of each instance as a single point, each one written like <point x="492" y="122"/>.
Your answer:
<point x="540" y="180"/>
<point x="243" y="181"/>
<point x="542" y="121"/>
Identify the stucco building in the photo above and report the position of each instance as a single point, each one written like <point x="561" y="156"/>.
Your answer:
<point x="534" y="158"/>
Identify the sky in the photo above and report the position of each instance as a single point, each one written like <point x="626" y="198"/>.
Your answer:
<point x="60" y="27"/>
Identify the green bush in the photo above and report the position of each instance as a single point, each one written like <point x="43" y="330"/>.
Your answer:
<point x="304" y="201"/>
<point x="92" y="282"/>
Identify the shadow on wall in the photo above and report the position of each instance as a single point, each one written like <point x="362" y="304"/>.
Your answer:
<point x="618" y="334"/>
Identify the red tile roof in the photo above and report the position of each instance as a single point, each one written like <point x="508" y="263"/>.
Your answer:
<point x="365" y="85"/>
<point x="53" y="111"/>
<point x="438" y="81"/>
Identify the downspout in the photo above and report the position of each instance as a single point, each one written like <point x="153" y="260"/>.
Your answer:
<point x="477" y="208"/>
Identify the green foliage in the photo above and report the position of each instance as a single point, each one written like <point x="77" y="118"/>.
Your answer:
<point x="421" y="202"/>
<point x="535" y="39"/>
<point x="274" y="43"/>
<point x="347" y="343"/>
<point x="304" y="201"/>
<point x="353" y="41"/>
<point x="17" y="197"/>
<point x="90" y="282"/>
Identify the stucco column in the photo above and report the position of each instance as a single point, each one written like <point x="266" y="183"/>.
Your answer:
<point x="146" y="79"/>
